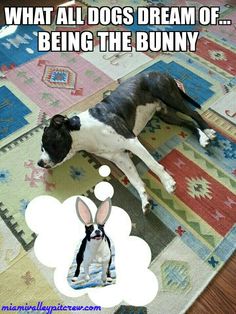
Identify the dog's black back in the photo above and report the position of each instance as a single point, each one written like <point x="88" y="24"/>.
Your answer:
<point x="119" y="108"/>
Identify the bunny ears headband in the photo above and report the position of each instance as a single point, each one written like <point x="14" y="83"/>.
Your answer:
<point x="85" y="216"/>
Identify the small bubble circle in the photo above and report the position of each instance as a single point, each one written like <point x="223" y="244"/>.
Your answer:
<point x="104" y="171"/>
<point x="103" y="190"/>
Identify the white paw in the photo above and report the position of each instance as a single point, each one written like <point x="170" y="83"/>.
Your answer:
<point x="203" y="139"/>
<point x="146" y="208"/>
<point x="210" y="133"/>
<point x="168" y="182"/>
<point x="74" y="279"/>
<point x="87" y="278"/>
<point x="109" y="279"/>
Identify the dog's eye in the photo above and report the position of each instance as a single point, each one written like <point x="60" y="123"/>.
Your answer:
<point x="101" y="227"/>
<point x="90" y="228"/>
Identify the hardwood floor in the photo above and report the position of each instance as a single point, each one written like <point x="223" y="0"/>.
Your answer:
<point x="220" y="296"/>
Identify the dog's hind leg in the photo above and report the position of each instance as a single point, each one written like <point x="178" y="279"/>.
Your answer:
<point x="173" y="97"/>
<point x="197" y="125"/>
<point x="86" y="271"/>
<point x="203" y="126"/>
<point x="138" y="149"/>
<point x="170" y="116"/>
<point x="204" y="132"/>
<point x="123" y="161"/>
<point x="105" y="267"/>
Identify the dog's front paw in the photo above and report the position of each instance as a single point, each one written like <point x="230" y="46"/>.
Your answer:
<point x="104" y="279"/>
<point x="168" y="182"/>
<point x="74" y="279"/>
<point x="147" y="208"/>
<point x="210" y="133"/>
<point x="204" y="140"/>
<point x="109" y="279"/>
<point x="87" y="278"/>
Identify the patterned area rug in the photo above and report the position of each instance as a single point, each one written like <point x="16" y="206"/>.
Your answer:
<point x="19" y="47"/>
<point x="58" y="81"/>
<point x="192" y="233"/>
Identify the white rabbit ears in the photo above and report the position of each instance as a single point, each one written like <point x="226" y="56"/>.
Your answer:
<point x="103" y="212"/>
<point x="83" y="212"/>
<point x="85" y="215"/>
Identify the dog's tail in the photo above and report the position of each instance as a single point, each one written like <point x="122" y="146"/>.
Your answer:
<point x="189" y="99"/>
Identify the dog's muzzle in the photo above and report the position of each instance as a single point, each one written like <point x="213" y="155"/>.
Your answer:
<point x="96" y="238"/>
<point x="98" y="235"/>
<point x="44" y="165"/>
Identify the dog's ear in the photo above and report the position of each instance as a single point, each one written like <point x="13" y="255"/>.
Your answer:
<point x="83" y="212"/>
<point x="103" y="212"/>
<point x="58" y="121"/>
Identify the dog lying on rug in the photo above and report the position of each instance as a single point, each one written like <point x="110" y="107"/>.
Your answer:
<point x="111" y="128"/>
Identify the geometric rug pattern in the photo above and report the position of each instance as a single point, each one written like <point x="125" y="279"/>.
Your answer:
<point x="61" y="77"/>
<point x="191" y="233"/>
<point x="19" y="47"/>
<point x="57" y="81"/>
<point x="13" y="112"/>
<point x="226" y="107"/>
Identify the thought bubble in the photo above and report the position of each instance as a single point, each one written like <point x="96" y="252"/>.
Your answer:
<point x="59" y="231"/>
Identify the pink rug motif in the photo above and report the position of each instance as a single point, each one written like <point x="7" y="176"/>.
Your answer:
<point x="58" y="81"/>
<point x="59" y="77"/>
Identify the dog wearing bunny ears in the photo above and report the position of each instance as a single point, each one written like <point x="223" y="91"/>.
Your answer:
<point x="96" y="246"/>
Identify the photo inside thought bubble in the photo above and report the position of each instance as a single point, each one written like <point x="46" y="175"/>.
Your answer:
<point x="95" y="273"/>
<point x="93" y="263"/>
<point x="62" y="230"/>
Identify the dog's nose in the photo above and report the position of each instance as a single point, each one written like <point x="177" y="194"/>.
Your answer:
<point x="41" y="163"/>
<point x="97" y="232"/>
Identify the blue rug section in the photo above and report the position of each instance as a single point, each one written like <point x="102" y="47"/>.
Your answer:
<point x="228" y="245"/>
<point x="195" y="86"/>
<point x="20" y="47"/>
<point x="162" y="28"/>
<point x="197" y="65"/>
<point x="221" y="152"/>
<point x="188" y="237"/>
<point x="12" y="112"/>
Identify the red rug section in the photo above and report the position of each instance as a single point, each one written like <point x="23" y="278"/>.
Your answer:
<point x="216" y="54"/>
<point x="200" y="192"/>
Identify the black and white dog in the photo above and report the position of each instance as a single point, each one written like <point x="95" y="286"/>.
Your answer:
<point x="110" y="129"/>
<point x="96" y="246"/>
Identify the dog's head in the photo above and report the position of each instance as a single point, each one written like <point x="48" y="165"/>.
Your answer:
<point x="94" y="229"/>
<point x="57" y="141"/>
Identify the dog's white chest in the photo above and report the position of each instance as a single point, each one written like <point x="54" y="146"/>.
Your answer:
<point x="97" y="251"/>
<point x="96" y="137"/>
